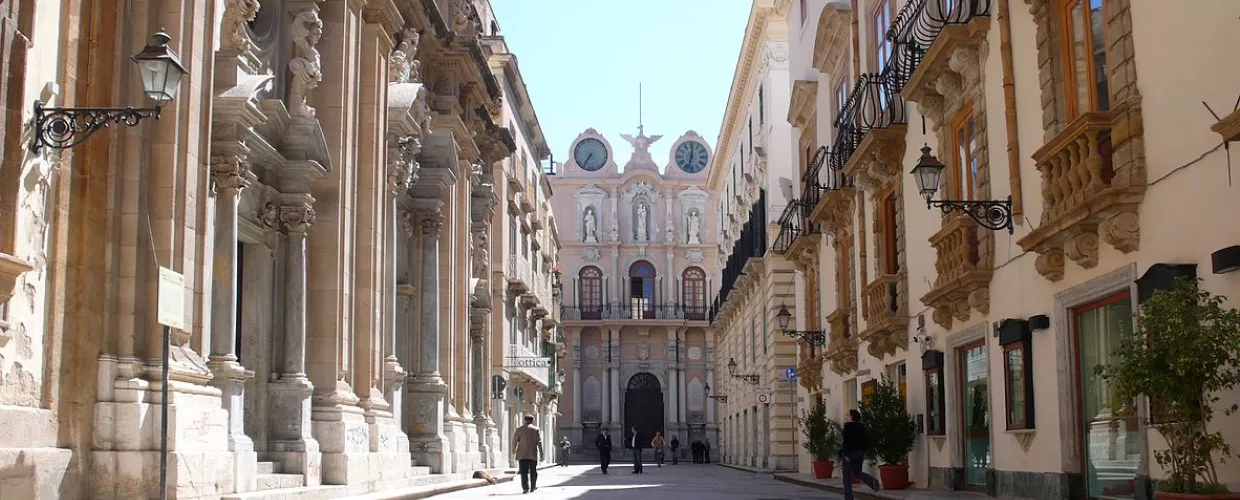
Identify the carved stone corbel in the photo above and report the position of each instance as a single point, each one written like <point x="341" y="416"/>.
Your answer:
<point x="306" y="67"/>
<point x="1082" y="247"/>
<point x="943" y="317"/>
<point x="1050" y="264"/>
<point x="1122" y="231"/>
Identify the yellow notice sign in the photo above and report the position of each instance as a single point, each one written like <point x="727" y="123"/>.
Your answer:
<point x="171" y="298"/>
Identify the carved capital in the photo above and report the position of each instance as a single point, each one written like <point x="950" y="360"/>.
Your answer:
<point x="1050" y="264"/>
<point x="229" y="172"/>
<point x="297" y="218"/>
<point x="431" y="222"/>
<point x="269" y="215"/>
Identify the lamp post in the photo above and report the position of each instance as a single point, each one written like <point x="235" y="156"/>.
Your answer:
<point x="990" y="214"/>
<point x="812" y="337"/>
<point x="719" y="398"/>
<point x="751" y="378"/>
<point x="65" y="127"/>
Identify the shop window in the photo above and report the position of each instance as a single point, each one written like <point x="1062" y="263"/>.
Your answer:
<point x="936" y="421"/>
<point x="1015" y="338"/>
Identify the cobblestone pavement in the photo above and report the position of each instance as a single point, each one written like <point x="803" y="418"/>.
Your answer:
<point x="682" y="482"/>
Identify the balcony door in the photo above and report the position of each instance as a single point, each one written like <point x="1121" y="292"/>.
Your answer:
<point x="641" y="290"/>
<point x="590" y="279"/>
<point x="694" y="279"/>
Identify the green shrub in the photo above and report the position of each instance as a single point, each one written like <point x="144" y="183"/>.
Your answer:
<point x="890" y="431"/>
<point x="822" y="435"/>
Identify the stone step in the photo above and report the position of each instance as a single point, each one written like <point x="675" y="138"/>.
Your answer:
<point x="444" y="483"/>
<point x="268" y="468"/>
<point x="299" y="493"/>
<point x="278" y="481"/>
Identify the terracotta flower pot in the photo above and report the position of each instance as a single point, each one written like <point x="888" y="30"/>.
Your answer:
<point x="894" y="477"/>
<point x="1194" y="496"/>
<point x="823" y="470"/>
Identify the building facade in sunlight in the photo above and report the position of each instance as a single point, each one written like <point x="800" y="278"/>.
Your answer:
<point x="1076" y="118"/>
<point x="637" y="261"/>
<point x="329" y="184"/>
<point x="753" y="174"/>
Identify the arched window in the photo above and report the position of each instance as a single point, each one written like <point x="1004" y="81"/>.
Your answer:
<point x="641" y="290"/>
<point x="591" y="293"/>
<point x="694" y="293"/>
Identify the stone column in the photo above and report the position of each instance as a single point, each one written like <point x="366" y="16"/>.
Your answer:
<point x="292" y="442"/>
<point x="710" y="379"/>
<point x="577" y="381"/>
<point x="616" y="383"/>
<point x="682" y="385"/>
<point x="230" y="175"/>
<point x="673" y="375"/>
<point x="428" y="442"/>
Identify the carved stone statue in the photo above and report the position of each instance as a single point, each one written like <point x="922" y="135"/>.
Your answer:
<point x="591" y="226"/>
<point x="641" y="145"/>
<point x="641" y="223"/>
<point x="404" y="67"/>
<point x="482" y="256"/>
<point x="695" y="227"/>
<point x="236" y="14"/>
<point x="307" y="66"/>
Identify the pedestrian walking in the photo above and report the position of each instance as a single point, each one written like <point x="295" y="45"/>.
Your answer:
<point x="696" y="448"/>
<point x="603" y="443"/>
<point x="565" y="448"/>
<point x="527" y="446"/>
<point x="852" y="454"/>
<point x="637" y="442"/>
<point x="706" y="450"/>
<point x="675" y="450"/>
<point x="658" y="444"/>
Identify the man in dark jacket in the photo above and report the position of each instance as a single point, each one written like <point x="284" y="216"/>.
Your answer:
<point x="852" y="454"/>
<point x="603" y="443"/>
<point x="675" y="445"/>
<point x="706" y="450"/>
<point x="636" y="442"/>
<point x="696" y="447"/>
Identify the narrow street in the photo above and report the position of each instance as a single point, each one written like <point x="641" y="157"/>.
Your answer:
<point x="682" y="482"/>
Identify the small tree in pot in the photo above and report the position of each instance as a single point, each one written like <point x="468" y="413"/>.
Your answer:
<point x="822" y="439"/>
<point x="1183" y="353"/>
<point x="890" y="434"/>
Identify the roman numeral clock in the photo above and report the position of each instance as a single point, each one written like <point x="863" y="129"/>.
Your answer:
<point x="691" y="156"/>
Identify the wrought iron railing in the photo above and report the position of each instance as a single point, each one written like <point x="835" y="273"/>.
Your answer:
<point x="873" y="103"/>
<point x="811" y="186"/>
<point x="670" y="310"/>
<point x="789" y="227"/>
<point x="918" y="25"/>
<point x="751" y="243"/>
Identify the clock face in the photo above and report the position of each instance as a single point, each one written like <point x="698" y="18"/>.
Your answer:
<point x="590" y="154"/>
<point x="691" y="156"/>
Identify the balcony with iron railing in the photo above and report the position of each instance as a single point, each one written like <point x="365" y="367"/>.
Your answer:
<point x="524" y="362"/>
<point x="789" y="227"/>
<point x="518" y="273"/>
<point x="871" y="128"/>
<point x="833" y="190"/>
<point x="637" y="309"/>
<point x="752" y="243"/>
<point x="926" y="34"/>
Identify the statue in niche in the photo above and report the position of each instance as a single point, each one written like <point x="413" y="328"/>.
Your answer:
<point x="641" y="223"/>
<point x="695" y="227"/>
<point x="591" y="226"/>
<point x="307" y="67"/>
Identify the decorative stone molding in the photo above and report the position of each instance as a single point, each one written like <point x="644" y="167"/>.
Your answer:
<point x="590" y="254"/>
<point x="403" y="64"/>
<point x="887" y="317"/>
<point x="230" y="172"/>
<point x="803" y="102"/>
<point x="694" y="256"/>
<point x="403" y="169"/>
<point x="834" y="212"/>
<point x="406" y="222"/>
<point x="832" y="36"/>
<point x="297" y="218"/>
<point x="307" y="65"/>
<point x="962" y="274"/>
<point x="640" y="188"/>
<point x="589" y="196"/>
<point x="269" y="215"/>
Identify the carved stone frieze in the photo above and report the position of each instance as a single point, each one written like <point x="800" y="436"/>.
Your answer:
<point x="403" y="65"/>
<point x="230" y="172"/>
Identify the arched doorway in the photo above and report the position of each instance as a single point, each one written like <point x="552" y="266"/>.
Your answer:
<point x="643" y="406"/>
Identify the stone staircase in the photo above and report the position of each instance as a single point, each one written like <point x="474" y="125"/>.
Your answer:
<point x="275" y="485"/>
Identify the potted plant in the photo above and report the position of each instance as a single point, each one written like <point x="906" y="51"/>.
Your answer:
<point x="1184" y="352"/>
<point x="890" y="434"/>
<point x="822" y="439"/>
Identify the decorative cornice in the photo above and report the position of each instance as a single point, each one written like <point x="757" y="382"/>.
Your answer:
<point x="801" y="105"/>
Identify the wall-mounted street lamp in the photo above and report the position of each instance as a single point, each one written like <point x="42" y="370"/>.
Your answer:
<point x="719" y="398"/>
<point x="161" y="72"/>
<point x="752" y="378"/>
<point x="812" y="337"/>
<point x="990" y="214"/>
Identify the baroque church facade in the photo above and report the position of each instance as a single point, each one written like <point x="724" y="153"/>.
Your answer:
<point x="637" y="259"/>
<point x="325" y="185"/>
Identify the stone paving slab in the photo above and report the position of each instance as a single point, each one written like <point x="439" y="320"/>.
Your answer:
<point x="680" y="482"/>
<point x="861" y="491"/>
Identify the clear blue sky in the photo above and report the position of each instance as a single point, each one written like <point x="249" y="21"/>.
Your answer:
<point x="582" y="61"/>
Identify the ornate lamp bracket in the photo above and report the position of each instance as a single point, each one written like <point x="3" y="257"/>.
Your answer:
<point x="994" y="215"/>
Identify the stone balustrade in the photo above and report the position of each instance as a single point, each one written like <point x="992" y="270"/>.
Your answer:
<point x="962" y="280"/>
<point x="886" y="319"/>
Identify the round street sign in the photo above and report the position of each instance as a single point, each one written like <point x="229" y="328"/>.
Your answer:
<point x="764" y="399"/>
